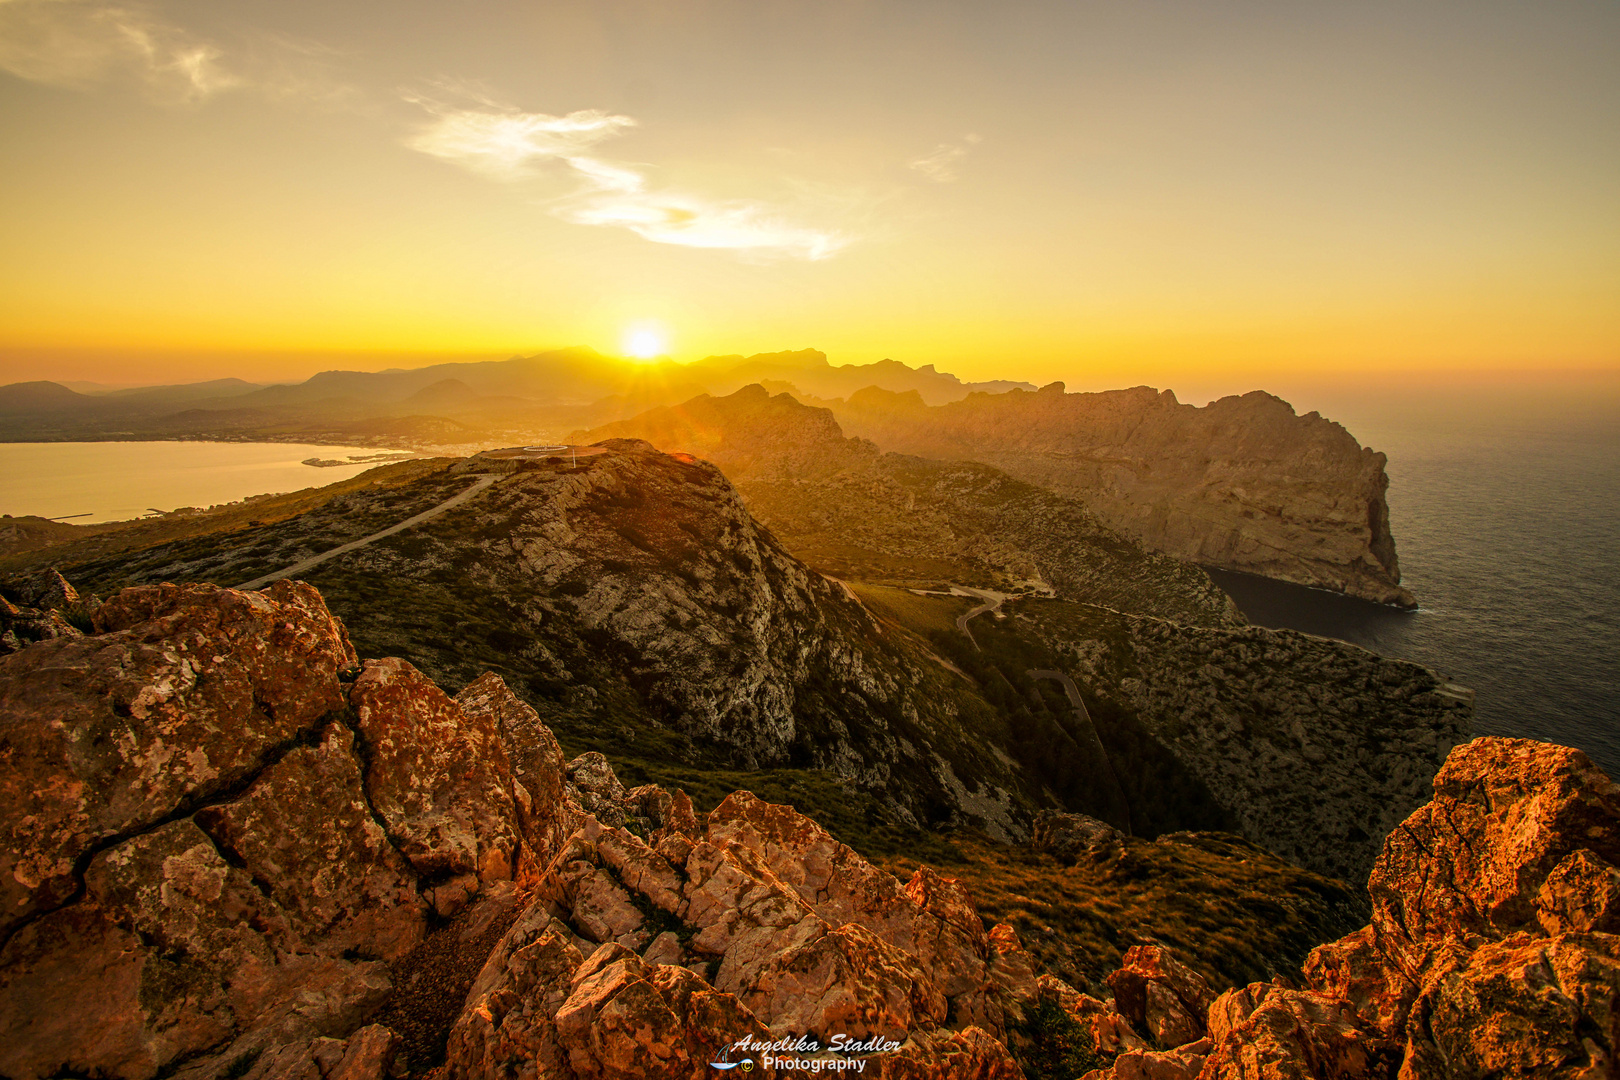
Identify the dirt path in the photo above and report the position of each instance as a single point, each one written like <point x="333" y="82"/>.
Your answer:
<point x="315" y="560"/>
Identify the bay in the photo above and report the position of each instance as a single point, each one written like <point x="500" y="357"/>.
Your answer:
<point x="92" y="482"/>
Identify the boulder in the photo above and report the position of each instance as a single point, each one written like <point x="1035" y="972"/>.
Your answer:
<point x="1488" y="953"/>
<point x="539" y="770"/>
<point x="438" y="778"/>
<point x="1160" y="996"/>
<point x="184" y="693"/>
<point x="1269" y="1031"/>
<point x="1070" y="837"/>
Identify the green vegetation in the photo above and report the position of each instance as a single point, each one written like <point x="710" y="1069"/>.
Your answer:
<point x="1050" y="1045"/>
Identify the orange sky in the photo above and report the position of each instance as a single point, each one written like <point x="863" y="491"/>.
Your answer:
<point x="1114" y="192"/>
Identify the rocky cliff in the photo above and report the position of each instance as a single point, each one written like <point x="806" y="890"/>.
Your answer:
<point x="1242" y="483"/>
<point x="855" y="513"/>
<point x="233" y="850"/>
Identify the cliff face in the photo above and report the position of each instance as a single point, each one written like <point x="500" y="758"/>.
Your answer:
<point x="854" y="513"/>
<point x="1242" y="483"/>
<point x="235" y="852"/>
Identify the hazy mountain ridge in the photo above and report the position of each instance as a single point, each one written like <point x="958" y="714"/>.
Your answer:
<point x="521" y="396"/>
<point x="1241" y="483"/>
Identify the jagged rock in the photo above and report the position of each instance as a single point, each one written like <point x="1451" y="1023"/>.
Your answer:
<point x="1481" y="958"/>
<point x="368" y="1054"/>
<point x="537" y="763"/>
<point x="1161" y="996"/>
<point x="1107" y="1030"/>
<point x="1471" y="863"/>
<point x="784" y="929"/>
<point x="438" y="778"/>
<point x="185" y="952"/>
<point x="185" y="692"/>
<point x="930" y="917"/>
<point x="969" y="1054"/>
<point x="1068" y="837"/>
<point x="1266" y="1031"/>
<point x="1012" y="969"/>
<point x="44" y="589"/>
<point x="1182" y="1063"/>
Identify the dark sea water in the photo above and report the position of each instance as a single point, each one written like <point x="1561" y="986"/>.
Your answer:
<point x="1507" y="527"/>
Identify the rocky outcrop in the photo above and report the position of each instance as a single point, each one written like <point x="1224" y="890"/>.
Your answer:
<point x="219" y="823"/>
<point x="40" y="606"/>
<point x="228" y="842"/>
<point x="1242" y="483"/>
<point x="1491" y="951"/>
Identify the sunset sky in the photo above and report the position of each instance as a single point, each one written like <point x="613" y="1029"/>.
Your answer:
<point x="1075" y="190"/>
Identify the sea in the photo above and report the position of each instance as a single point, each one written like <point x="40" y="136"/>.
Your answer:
<point x="1506" y="514"/>
<point x="91" y="482"/>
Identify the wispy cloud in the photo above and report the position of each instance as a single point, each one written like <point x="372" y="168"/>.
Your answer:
<point x="506" y="144"/>
<point x="81" y="43"/>
<point x="940" y="166"/>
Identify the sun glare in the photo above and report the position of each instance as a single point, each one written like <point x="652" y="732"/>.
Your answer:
<point x="645" y="341"/>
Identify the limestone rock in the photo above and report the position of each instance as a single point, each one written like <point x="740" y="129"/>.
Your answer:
<point x="1108" y="1031"/>
<point x="439" y="778"/>
<point x="184" y="692"/>
<point x="1268" y="1031"/>
<point x="1161" y="996"/>
<point x="537" y="763"/>
<point x="304" y="832"/>
<point x="1241" y="483"/>
<point x="1069" y="837"/>
<point x="1483" y="957"/>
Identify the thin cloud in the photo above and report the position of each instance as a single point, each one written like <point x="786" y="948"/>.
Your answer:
<point x="940" y="166"/>
<point x="80" y="42"/>
<point x="505" y="144"/>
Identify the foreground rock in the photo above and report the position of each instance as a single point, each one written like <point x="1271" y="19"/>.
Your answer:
<point x="1492" y="950"/>
<point x="213" y="844"/>
<point x="227" y="841"/>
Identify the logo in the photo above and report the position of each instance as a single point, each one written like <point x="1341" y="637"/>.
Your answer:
<point x="746" y="1064"/>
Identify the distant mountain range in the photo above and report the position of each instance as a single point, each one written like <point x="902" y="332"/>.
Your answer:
<point x="524" y="397"/>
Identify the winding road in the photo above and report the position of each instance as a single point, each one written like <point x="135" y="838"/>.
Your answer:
<point x="451" y="503"/>
<point x="991" y="602"/>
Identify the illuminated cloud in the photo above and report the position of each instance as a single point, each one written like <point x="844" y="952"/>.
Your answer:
<point x="940" y="166"/>
<point x="505" y="144"/>
<point x="80" y="42"/>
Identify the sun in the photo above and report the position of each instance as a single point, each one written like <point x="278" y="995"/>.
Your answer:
<point x="645" y="340"/>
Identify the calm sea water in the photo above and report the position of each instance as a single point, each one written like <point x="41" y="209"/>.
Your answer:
<point x="116" y="481"/>
<point x="1506" y="527"/>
